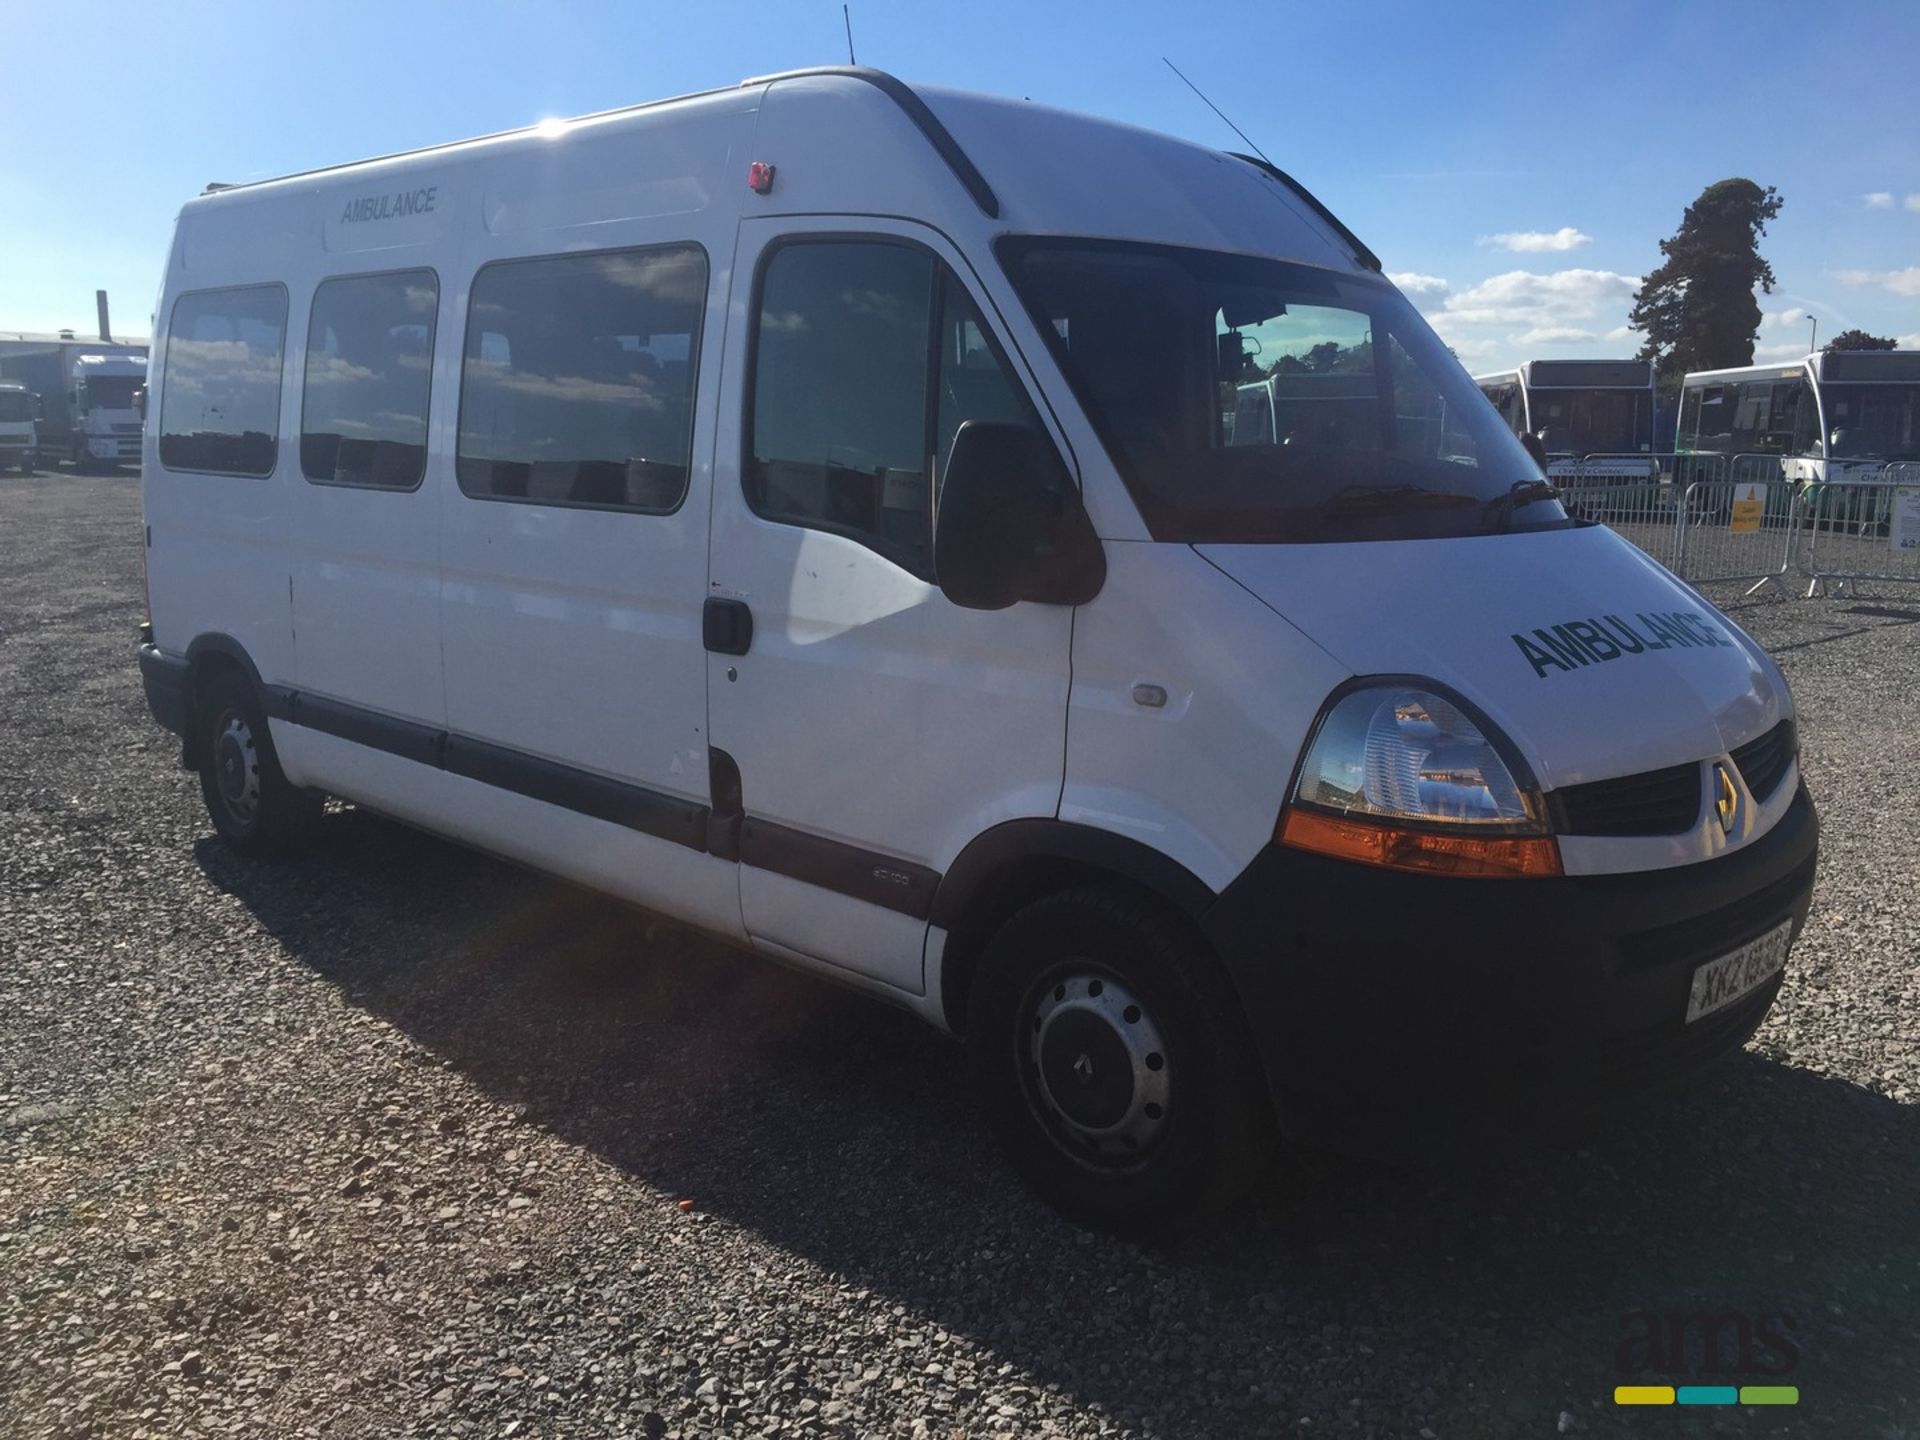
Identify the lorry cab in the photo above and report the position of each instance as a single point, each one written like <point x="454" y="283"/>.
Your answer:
<point x="19" y="435"/>
<point x="103" y="397"/>
<point x="832" y="513"/>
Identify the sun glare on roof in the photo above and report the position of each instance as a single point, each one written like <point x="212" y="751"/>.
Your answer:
<point x="551" y="128"/>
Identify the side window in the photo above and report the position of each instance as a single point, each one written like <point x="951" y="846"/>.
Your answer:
<point x="220" y="409"/>
<point x="577" y="382"/>
<point x="868" y="357"/>
<point x="363" y="411"/>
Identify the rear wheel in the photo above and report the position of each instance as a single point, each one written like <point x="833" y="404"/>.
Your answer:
<point x="253" y="805"/>
<point x="1112" y="1060"/>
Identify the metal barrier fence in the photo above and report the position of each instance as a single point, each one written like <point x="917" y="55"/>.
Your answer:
<point x="1739" y="519"/>
<point x="1637" y="494"/>
<point x="1863" y="530"/>
<point x="1741" y="527"/>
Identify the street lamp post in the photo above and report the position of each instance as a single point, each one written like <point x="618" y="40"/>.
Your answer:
<point x="1813" y="331"/>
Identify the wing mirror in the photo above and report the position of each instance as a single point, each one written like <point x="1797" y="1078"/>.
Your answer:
<point x="1011" y="526"/>
<point x="1536" y="447"/>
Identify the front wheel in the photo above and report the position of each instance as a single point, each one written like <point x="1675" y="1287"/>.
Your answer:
<point x="253" y="805"/>
<point x="1112" y="1060"/>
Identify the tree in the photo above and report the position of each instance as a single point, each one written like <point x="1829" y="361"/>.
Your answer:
<point x="1698" y="309"/>
<point x="1859" y="340"/>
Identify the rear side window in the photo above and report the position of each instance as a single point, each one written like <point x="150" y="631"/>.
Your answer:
<point x="363" y="413"/>
<point x="868" y="357"/>
<point x="578" y="378"/>
<point x="220" y="409"/>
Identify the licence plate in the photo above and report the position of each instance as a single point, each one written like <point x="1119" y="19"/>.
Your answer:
<point x="1719" y="983"/>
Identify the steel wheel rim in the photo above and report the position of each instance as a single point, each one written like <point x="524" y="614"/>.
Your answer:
<point x="236" y="768"/>
<point x="1095" y="1067"/>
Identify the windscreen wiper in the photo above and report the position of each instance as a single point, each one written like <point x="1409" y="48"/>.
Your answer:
<point x="1498" y="516"/>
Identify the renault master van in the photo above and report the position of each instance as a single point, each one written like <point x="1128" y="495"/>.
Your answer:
<point x="813" y="510"/>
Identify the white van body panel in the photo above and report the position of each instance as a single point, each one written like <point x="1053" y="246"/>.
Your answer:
<point x="572" y="633"/>
<point x="870" y="711"/>
<point x="1674" y="701"/>
<point x="1202" y="778"/>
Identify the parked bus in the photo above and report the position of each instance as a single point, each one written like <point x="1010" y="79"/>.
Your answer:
<point x="1578" y="408"/>
<point x="1836" y="415"/>
<point x="805" y="509"/>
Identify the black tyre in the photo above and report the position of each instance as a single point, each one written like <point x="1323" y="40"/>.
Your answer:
<point x="1113" y="1061"/>
<point x="253" y="805"/>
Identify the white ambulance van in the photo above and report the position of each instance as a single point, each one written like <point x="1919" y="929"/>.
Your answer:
<point x="811" y="510"/>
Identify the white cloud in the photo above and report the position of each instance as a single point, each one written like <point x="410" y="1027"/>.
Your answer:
<point x="1913" y="201"/>
<point x="1417" y="284"/>
<point x="1780" y="350"/>
<point x="1553" y="335"/>
<point x="1900" y="282"/>
<point x="1775" y="319"/>
<point x="1908" y="342"/>
<point x="1879" y="200"/>
<point x="1535" y="242"/>
<point x="1525" y="297"/>
<point x="1620" y="332"/>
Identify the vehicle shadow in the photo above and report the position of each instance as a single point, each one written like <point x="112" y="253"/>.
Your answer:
<point x="1487" y="1295"/>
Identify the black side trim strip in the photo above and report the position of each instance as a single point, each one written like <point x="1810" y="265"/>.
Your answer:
<point x="1365" y="256"/>
<point x="723" y="825"/>
<point x="929" y="125"/>
<point x="405" y="738"/>
<point x="637" y="808"/>
<point x="722" y="831"/>
<point x="863" y="874"/>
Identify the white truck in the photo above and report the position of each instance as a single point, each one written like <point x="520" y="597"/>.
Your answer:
<point x="88" y="393"/>
<point x="19" y="437"/>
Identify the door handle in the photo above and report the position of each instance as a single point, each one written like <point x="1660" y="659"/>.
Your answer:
<point x="726" y="626"/>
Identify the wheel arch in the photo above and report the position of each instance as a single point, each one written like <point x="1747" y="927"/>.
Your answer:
<point x="209" y="656"/>
<point x="1004" y="869"/>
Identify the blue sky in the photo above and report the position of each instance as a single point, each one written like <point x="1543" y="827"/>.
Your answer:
<point x="1516" y="164"/>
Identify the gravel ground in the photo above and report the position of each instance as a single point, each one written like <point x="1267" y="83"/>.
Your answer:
<point x="402" y="1140"/>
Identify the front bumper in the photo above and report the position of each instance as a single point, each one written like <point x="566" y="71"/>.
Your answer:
<point x="1394" y="1011"/>
<point x="164" y="677"/>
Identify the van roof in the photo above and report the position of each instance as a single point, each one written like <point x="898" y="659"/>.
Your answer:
<point x="1096" y="175"/>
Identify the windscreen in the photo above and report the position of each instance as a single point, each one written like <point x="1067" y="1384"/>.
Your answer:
<point x="15" y="406"/>
<point x="1246" y="399"/>
<point x="1878" y="422"/>
<point x="1592" y="422"/>
<point x="111" y="392"/>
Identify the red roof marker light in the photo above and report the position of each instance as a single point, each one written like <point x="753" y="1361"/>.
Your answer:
<point x="760" y="177"/>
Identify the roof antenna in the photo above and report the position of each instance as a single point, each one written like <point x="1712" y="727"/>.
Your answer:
<point x="1216" y="110"/>
<point x="848" y="18"/>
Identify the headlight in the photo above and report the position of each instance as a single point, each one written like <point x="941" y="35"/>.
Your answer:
<point x="1399" y="775"/>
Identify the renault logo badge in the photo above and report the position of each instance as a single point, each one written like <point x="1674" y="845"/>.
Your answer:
<point x="1726" y="799"/>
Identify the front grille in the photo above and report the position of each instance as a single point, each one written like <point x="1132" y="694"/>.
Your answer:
<point x="1763" y="762"/>
<point x="133" y="429"/>
<point x="1655" y="802"/>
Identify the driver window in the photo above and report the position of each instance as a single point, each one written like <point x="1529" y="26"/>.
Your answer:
<point x="868" y="358"/>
